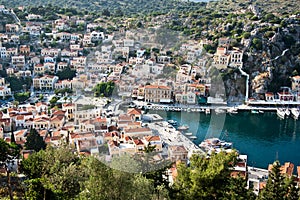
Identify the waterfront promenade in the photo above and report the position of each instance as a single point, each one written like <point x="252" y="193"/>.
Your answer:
<point x="172" y="137"/>
<point x="257" y="105"/>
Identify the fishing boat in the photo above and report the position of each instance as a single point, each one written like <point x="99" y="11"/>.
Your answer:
<point x="280" y="113"/>
<point x="214" y="144"/>
<point x="183" y="128"/>
<point x="295" y="113"/>
<point x="172" y="122"/>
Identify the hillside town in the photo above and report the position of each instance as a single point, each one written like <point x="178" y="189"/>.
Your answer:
<point x="92" y="89"/>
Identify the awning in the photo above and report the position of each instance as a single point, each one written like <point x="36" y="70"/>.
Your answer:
<point x="165" y="100"/>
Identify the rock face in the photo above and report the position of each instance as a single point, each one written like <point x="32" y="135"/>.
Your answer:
<point x="272" y="66"/>
<point x="260" y="83"/>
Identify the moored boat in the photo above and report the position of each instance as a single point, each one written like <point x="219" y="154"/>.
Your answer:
<point x="295" y="113"/>
<point x="214" y="144"/>
<point x="172" y="122"/>
<point x="183" y="128"/>
<point x="192" y="137"/>
<point x="207" y="111"/>
<point x="280" y="113"/>
<point x="219" y="111"/>
<point x="287" y="112"/>
<point x="232" y="110"/>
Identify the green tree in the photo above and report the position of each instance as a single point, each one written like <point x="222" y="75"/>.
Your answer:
<point x="276" y="187"/>
<point x="105" y="89"/>
<point x="205" y="178"/>
<point x="53" y="174"/>
<point x="8" y="154"/>
<point x="21" y="97"/>
<point x="66" y="73"/>
<point x="34" y="141"/>
<point x="113" y="184"/>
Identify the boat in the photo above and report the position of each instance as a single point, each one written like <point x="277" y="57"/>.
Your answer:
<point x="280" y="113"/>
<point x="295" y="113"/>
<point x="207" y="111"/>
<point x="172" y="122"/>
<point x="219" y="111"/>
<point x="189" y="134"/>
<point x="232" y="110"/>
<point x="215" y="144"/>
<point x="183" y="128"/>
<point x="287" y="112"/>
<point x="254" y="111"/>
<point x="261" y="112"/>
<point x="192" y="137"/>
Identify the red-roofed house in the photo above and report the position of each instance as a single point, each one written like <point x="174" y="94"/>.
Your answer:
<point x="134" y="112"/>
<point x="177" y="152"/>
<point x="158" y="94"/>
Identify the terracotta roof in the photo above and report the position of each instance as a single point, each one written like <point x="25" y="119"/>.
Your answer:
<point x="20" y="117"/>
<point x="59" y="112"/>
<point x="177" y="148"/>
<point x="57" y="118"/>
<point x="101" y="120"/>
<point x="157" y="87"/>
<point x="134" y="111"/>
<point x="153" y="138"/>
<point x="111" y="134"/>
<point x="134" y="130"/>
<point x="78" y="136"/>
<point x="138" y="142"/>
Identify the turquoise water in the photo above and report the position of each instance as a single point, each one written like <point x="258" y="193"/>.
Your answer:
<point x="263" y="137"/>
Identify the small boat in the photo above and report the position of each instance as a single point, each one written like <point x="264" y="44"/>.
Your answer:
<point x="189" y="134"/>
<point x="254" y="111"/>
<point x="261" y="112"/>
<point x="172" y="122"/>
<point x="280" y="113"/>
<point x="295" y="113"/>
<point x="192" y="137"/>
<point x="232" y="110"/>
<point x="207" y="111"/>
<point x="287" y="112"/>
<point x="214" y="144"/>
<point x="183" y="128"/>
<point x="219" y="111"/>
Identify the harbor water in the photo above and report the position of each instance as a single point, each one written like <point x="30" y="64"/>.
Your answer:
<point x="263" y="137"/>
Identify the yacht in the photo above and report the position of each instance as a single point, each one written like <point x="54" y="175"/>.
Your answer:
<point x="295" y="113"/>
<point x="214" y="144"/>
<point x="280" y="113"/>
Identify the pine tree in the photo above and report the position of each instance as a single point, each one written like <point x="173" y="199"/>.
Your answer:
<point x="34" y="141"/>
<point x="276" y="187"/>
